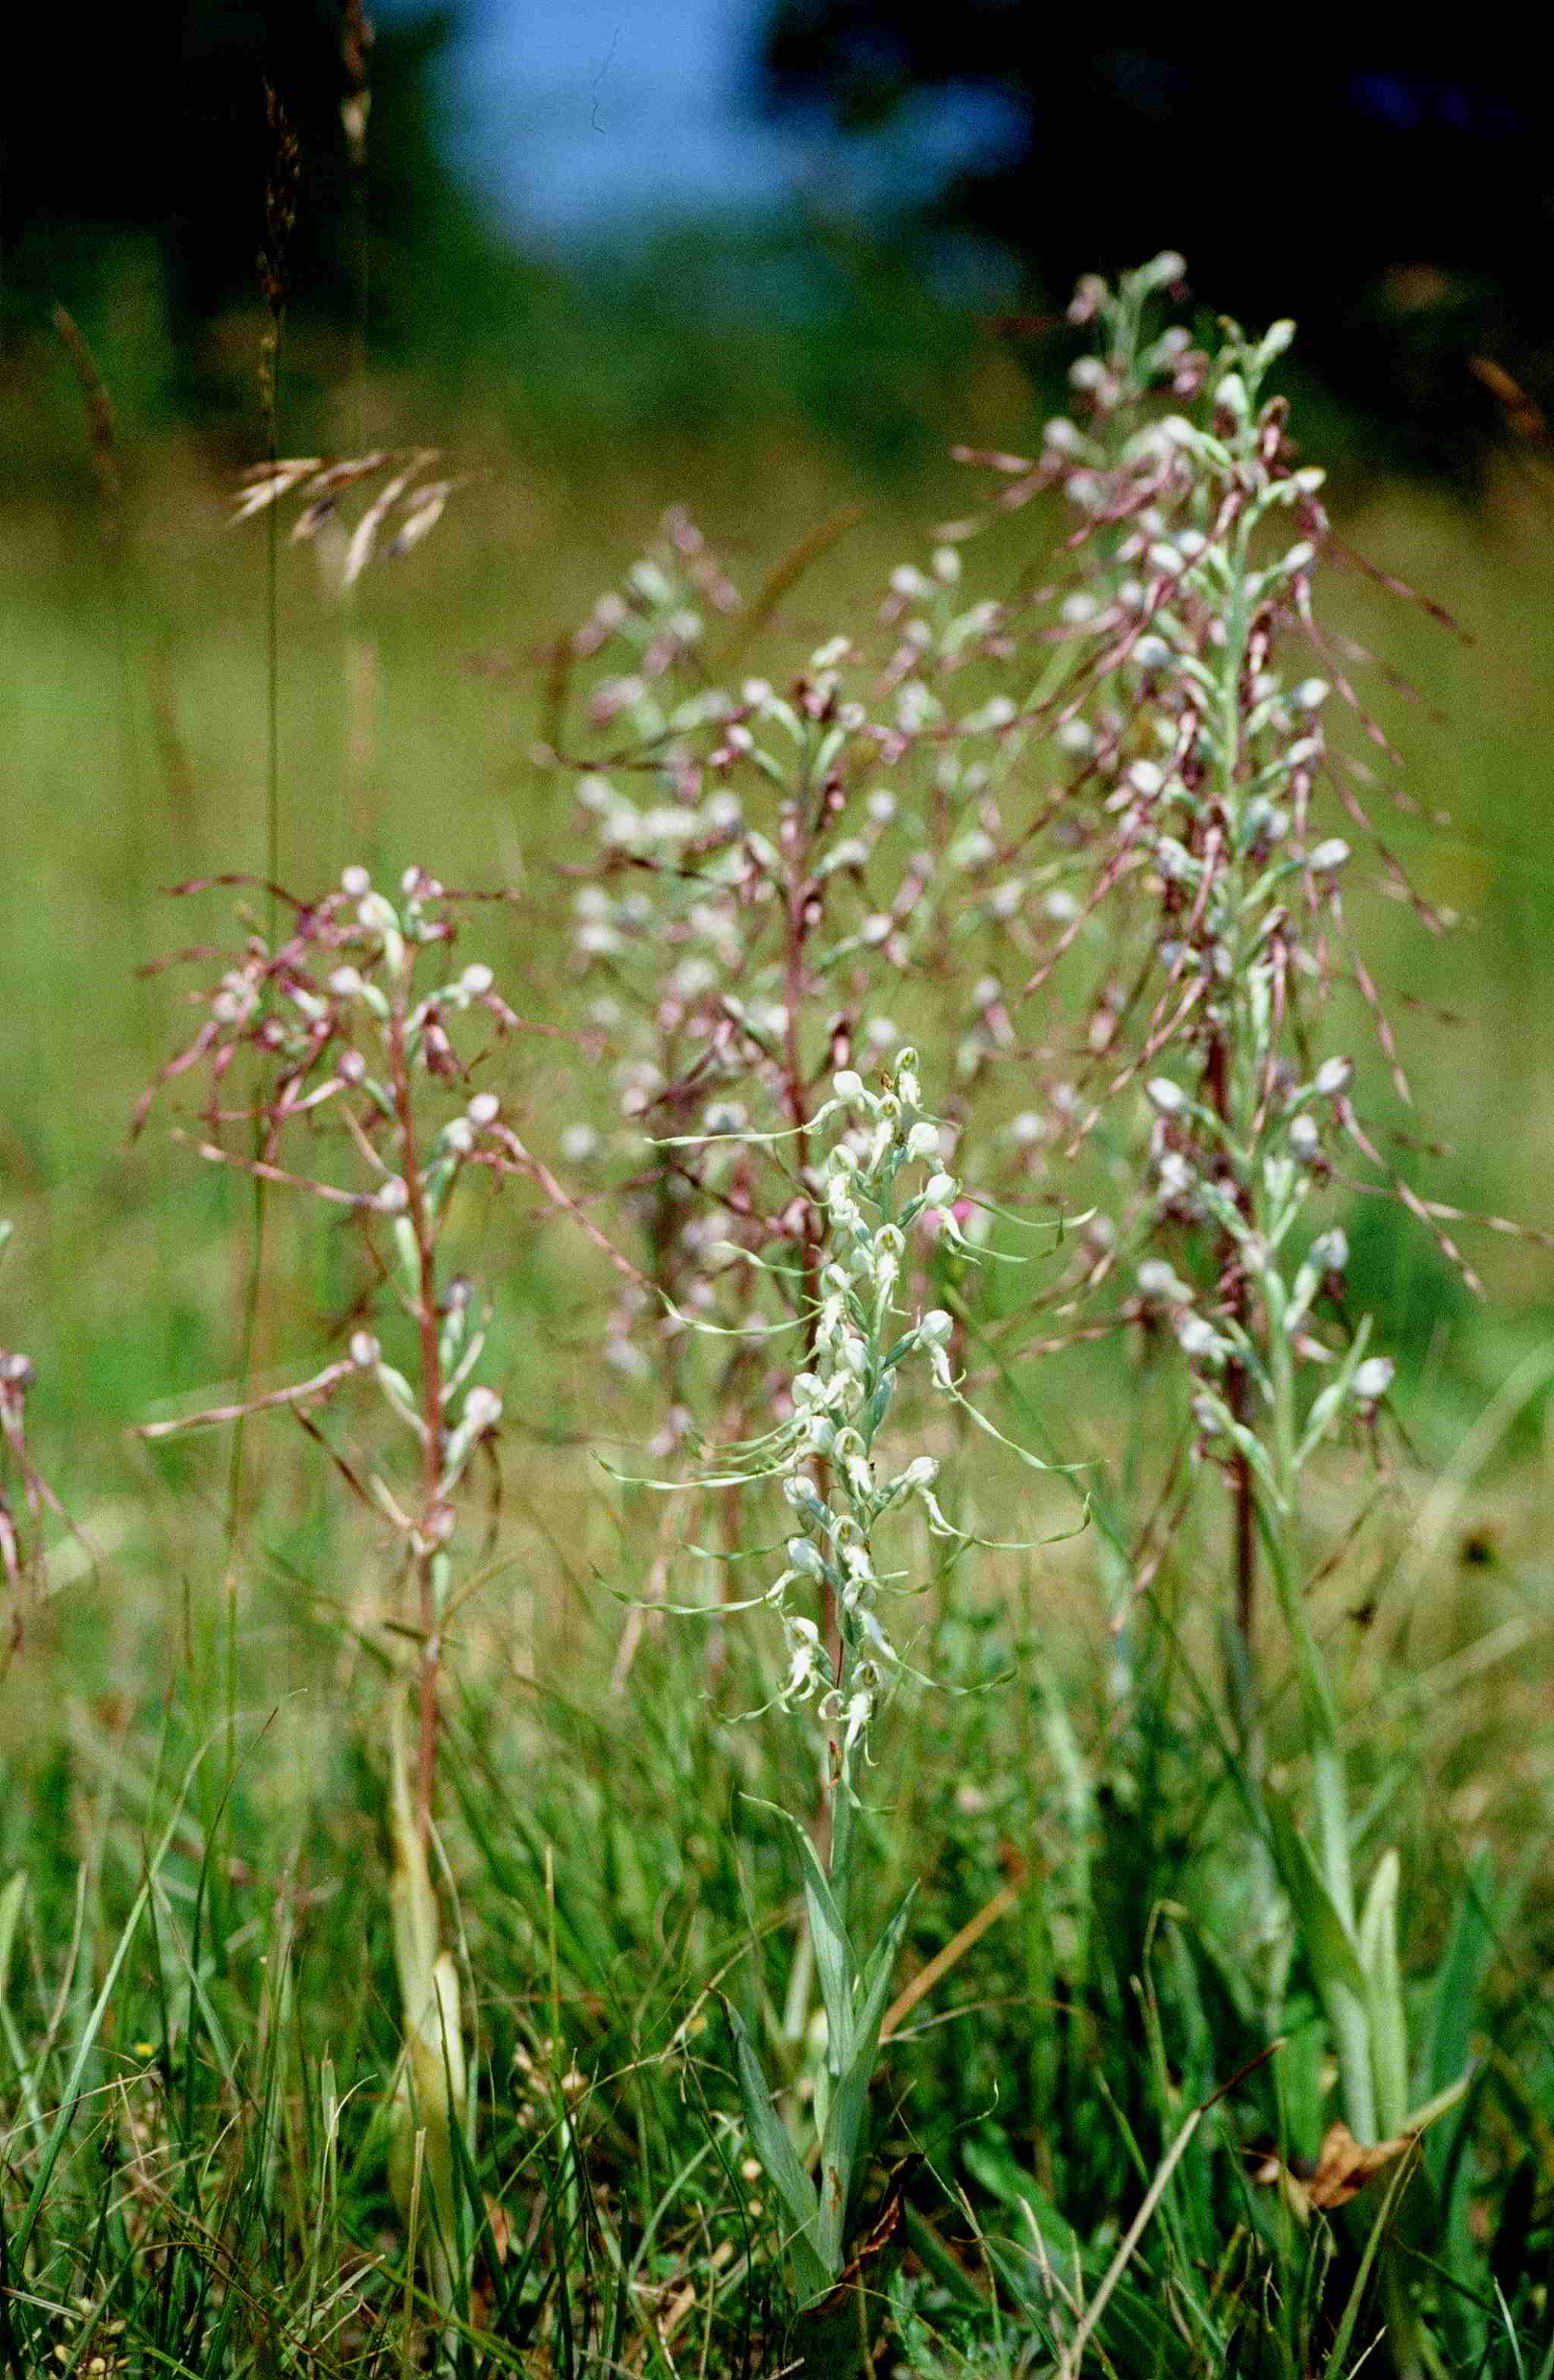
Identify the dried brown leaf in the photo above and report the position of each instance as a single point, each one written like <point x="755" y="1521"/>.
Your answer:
<point x="1343" y="2167"/>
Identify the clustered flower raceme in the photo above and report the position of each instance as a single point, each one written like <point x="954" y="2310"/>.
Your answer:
<point x="1133" y="693"/>
<point x="766" y="862"/>
<point x="1201" y="887"/>
<point x="314" y="1004"/>
<point x="1200" y="758"/>
<point x="883" y="1181"/>
<point x="1264" y="1313"/>
<point x="1205" y="760"/>
<point x="330" y="1042"/>
<point x="658" y="617"/>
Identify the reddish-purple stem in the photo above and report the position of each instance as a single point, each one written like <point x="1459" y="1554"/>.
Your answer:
<point x="432" y="1420"/>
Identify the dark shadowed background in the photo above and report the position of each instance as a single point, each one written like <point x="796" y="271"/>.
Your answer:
<point x="760" y="178"/>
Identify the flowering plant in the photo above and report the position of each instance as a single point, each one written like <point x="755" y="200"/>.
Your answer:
<point x="884" y="1178"/>
<point x="347" y="1037"/>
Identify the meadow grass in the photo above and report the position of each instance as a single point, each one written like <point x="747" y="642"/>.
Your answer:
<point x="203" y="2018"/>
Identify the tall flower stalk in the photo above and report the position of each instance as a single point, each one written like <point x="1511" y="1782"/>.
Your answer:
<point x="341" y="1063"/>
<point x="883" y="1183"/>
<point x="1198" y="832"/>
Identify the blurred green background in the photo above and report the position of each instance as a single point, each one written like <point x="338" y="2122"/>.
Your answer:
<point x="768" y="264"/>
